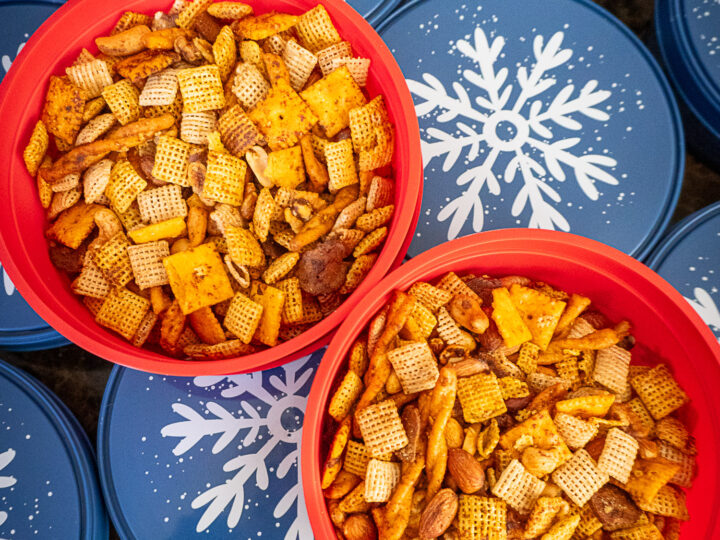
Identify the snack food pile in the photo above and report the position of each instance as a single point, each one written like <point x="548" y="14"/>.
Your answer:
<point x="503" y="408"/>
<point x="221" y="182"/>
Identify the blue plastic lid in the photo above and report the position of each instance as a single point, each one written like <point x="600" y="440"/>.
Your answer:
<point x="48" y="483"/>
<point x="374" y="11"/>
<point x="689" y="258"/>
<point x="21" y="329"/>
<point x="688" y="32"/>
<point x="538" y="113"/>
<point x="217" y="455"/>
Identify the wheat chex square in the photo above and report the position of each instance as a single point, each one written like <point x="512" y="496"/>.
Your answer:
<point x="381" y="428"/>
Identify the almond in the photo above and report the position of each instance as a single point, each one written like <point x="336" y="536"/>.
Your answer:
<point x="469" y="367"/>
<point x="465" y="470"/>
<point x="438" y="514"/>
<point x="411" y="422"/>
<point x="359" y="527"/>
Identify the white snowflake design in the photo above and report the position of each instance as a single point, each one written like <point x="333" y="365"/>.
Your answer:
<point x="7" y="284"/>
<point x="6" y="481"/>
<point x="7" y="61"/>
<point x="216" y="420"/>
<point x="706" y="307"/>
<point x="521" y="126"/>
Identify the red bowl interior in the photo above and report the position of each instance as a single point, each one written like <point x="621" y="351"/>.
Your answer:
<point x="666" y="327"/>
<point x="23" y="249"/>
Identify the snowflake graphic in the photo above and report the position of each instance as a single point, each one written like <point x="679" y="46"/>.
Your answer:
<point x="706" y="307"/>
<point x="276" y="432"/>
<point x="6" y="481"/>
<point x="500" y="118"/>
<point x="7" y="61"/>
<point x="7" y="284"/>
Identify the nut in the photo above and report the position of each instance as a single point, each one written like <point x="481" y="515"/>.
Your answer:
<point x="257" y="159"/>
<point x="454" y="434"/>
<point x="467" y="312"/>
<point x="359" y="527"/>
<point x="647" y="449"/>
<point x="469" y="367"/>
<point x="539" y="461"/>
<point x="438" y="515"/>
<point x="411" y="423"/>
<point x="466" y="471"/>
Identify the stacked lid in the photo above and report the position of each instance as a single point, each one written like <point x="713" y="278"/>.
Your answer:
<point x="538" y="113"/>
<point x="689" y="258"/>
<point x="48" y="482"/>
<point x="215" y="455"/>
<point x="21" y="329"/>
<point x="688" y="33"/>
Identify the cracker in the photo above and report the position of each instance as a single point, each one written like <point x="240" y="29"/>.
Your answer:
<point x="171" y="160"/>
<point x="579" y="477"/>
<point x="325" y="57"/>
<point x="380" y="480"/>
<point x="224" y="178"/>
<point x="509" y="322"/>
<point x="300" y="63"/>
<point x="198" y="278"/>
<point x="371" y="242"/>
<point x="611" y="368"/>
<point x="123" y="98"/>
<point x="517" y="487"/>
<point x="251" y="52"/>
<point x="112" y="259"/>
<point x="201" y="88"/>
<point x="229" y="10"/>
<point x="381" y="428"/>
<point x="194" y="127"/>
<point x="237" y="131"/>
<point x="576" y="432"/>
<point x="160" y="89"/>
<point x="480" y="397"/>
<point x="272" y="299"/>
<point x="482" y="518"/>
<point x="358" y="68"/>
<point x="659" y="391"/>
<point x="244" y="247"/>
<point x="372" y="133"/>
<point x="539" y="312"/>
<point x="91" y="281"/>
<point x="643" y="416"/>
<point x="249" y="85"/>
<point x="618" y="455"/>
<point x="333" y="98"/>
<point x="264" y="26"/>
<point x="280" y="267"/>
<point x="433" y="298"/>
<point x="285" y="167"/>
<point x="345" y="396"/>
<point x="146" y="261"/>
<point x="316" y="30"/>
<point x="415" y="366"/>
<point x="243" y="317"/>
<point x="123" y="312"/>
<point x="282" y="116"/>
<point x="648" y="476"/>
<point x="64" y="109"/>
<point x="162" y="203"/>
<point x="592" y="405"/>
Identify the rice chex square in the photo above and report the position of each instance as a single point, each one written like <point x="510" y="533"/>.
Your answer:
<point x="580" y="477"/>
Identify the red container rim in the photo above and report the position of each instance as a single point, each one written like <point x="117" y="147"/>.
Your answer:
<point x="520" y="250"/>
<point x="22" y="249"/>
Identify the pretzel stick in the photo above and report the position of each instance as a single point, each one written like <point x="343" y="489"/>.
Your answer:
<point x="397" y="510"/>
<point x="441" y="406"/>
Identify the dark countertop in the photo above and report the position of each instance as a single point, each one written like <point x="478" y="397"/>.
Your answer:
<point x="79" y="378"/>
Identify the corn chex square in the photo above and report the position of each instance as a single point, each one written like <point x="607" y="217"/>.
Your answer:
<point x="171" y="161"/>
<point x="112" y="259"/>
<point x="123" y="99"/>
<point x="482" y="518"/>
<point x="511" y="387"/>
<point x="162" y="203"/>
<point x="201" y="88"/>
<point x="480" y="397"/>
<point x="146" y="260"/>
<point x="293" y="306"/>
<point x="340" y="165"/>
<point x="575" y="431"/>
<point x="243" y="317"/>
<point x="528" y="357"/>
<point x="345" y="396"/>
<point x="381" y="428"/>
<point x="316" y="30"/>
<point x="122" y="311"/>
<point x="195" y="127"/>
<point x="646" y="531"/>
<point x="415" y="366"/>
<point x="372" y="133"/>
<point x="224" y="178"/>
<point x="684" y="476"/>
<point x="580" y="477"/>
<point x="328" y="54"/>
<point x="433" y="298"/>
<point x="249" y="86"/>
<point x="618" y="455"/>
<point x="589" y="523"/>
<point x="517" y="487"/>
<point x="91" y="281"/>
<point x="123" y="186"/>
<point x="356" y="458"/>
<point x="668" y="502"/>
<point x="611" y="368"/>
<point x="243" y="247"/>
<point x="380" y="480"/>
<point x="543" y="514"/>
<point x="673" y="431"/>
<point x="659" y="391"/>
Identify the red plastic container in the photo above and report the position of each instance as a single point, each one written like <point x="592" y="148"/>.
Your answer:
<point x="666" y="327"/>
<point x="23" y="249"/>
